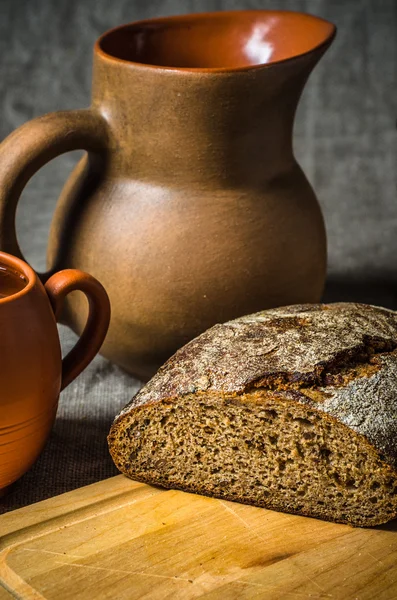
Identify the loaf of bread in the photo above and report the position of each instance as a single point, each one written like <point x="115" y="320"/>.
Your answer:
<point x="292" y="409"/>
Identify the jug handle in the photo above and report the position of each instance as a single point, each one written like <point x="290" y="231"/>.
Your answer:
<point x="90" y="342"/>
<point x="34" y="144"/>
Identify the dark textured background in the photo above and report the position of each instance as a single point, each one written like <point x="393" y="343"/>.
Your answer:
<point x="345" y="140"/>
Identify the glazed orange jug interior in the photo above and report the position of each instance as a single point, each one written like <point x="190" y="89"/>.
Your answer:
<point x="189" y="205"/>
<point x="32" y="372"/>
<point x="223" y="40"/>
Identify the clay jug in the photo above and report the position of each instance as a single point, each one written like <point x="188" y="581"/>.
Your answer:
<point x="189" y="205"/>
<point x="32" y="372"/>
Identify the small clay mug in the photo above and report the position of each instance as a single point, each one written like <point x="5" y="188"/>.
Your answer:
<point x="32" y="372"/>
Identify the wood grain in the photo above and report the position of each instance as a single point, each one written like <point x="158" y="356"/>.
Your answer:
<point x="5" y="595"/>
<point x="126" y="540"/>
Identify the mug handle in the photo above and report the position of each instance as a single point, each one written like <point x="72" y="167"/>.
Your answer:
<point x="57" y="287"/>
<point x="34" y="144"/>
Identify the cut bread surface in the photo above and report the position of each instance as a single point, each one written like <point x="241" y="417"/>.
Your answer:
<point x="260" y="450"/>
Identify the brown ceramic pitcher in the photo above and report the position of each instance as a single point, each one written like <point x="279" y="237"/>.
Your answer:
<point x="32" y="372"/>
<point x="189" y="205"/>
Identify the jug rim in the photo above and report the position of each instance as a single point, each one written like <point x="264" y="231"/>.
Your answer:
<point x="21" y="267"/>
<point x="324" y="42"/>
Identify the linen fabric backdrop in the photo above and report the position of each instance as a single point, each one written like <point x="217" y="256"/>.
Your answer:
<point x="345" y="141"/>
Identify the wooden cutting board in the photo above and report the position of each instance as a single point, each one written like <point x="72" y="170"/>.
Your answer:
<point x="124" y="540"/>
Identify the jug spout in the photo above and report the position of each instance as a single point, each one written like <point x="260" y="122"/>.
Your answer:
<point x="206" y="98"/>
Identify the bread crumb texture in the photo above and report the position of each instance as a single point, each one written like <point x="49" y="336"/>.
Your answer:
<point x="292" y="409"/>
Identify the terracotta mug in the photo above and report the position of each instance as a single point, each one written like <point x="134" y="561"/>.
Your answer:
<point x="32" y="372"/>
<point x="189" y="206"/>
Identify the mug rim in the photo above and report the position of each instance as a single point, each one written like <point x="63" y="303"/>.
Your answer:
<point x="22" y="267"/>
<point x="98" y="49"/>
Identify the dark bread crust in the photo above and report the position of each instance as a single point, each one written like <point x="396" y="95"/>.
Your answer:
<point x="294" y="350"/>
<point x="337" y="360"/>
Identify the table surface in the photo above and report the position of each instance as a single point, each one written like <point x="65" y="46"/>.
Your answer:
<point x="127" y="540"/>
